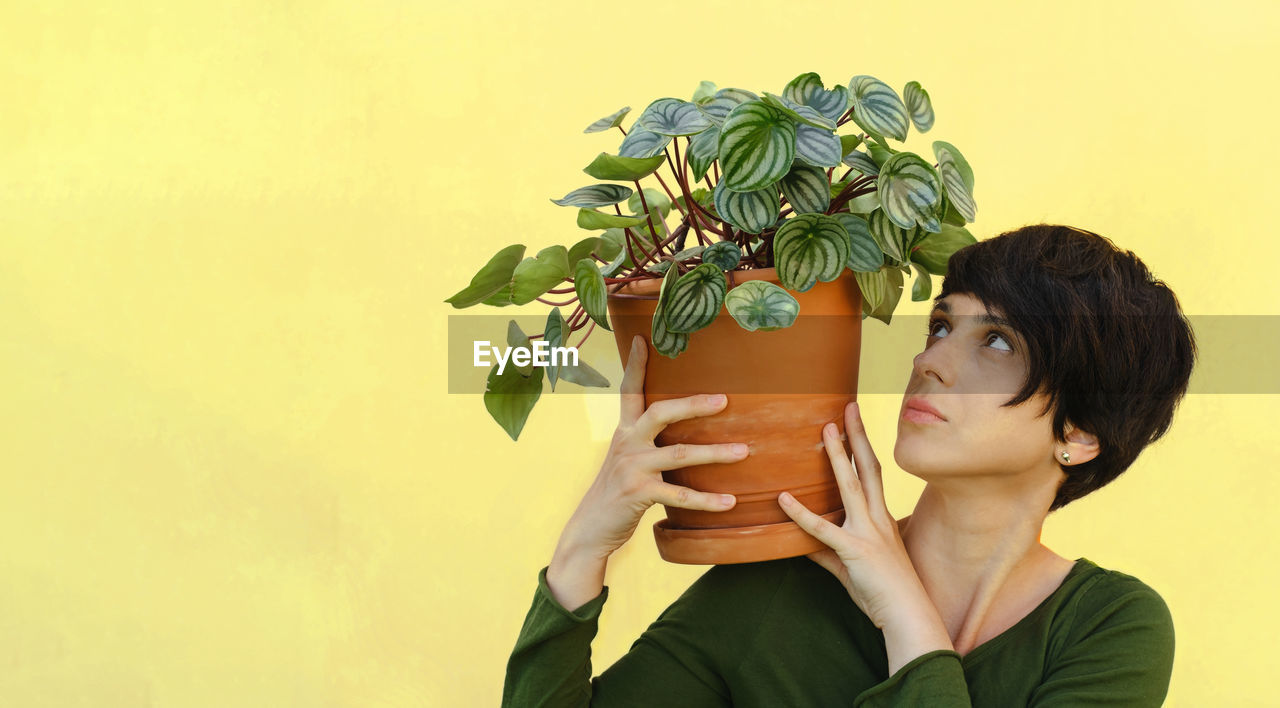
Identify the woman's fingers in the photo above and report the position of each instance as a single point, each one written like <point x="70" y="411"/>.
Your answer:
<point x="685" y="498"/>
<point x="663" y="413"/>
<point x="674" y="457"/>
<point x="867" y="466"/>
<point x="851" y="492"/>
<point x="632" y="387"/>
<point x="812" y="523"/>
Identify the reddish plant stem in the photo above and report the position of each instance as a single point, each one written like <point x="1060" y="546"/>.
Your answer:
<point x="588" y="334"/>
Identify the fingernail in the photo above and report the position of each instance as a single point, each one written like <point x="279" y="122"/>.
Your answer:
<point x="829" y="428"/>
<point x="785" y="498"/>
<point x="739" y="449"/>
<point x="726" y="499"/>
<point x="635" y="343"/>
<point x="717" y="399"/>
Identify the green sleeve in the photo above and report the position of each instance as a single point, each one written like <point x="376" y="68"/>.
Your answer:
<point x="1119" y="652"/>
<point x="551" y="663"/>
<point x="932" y="679"/>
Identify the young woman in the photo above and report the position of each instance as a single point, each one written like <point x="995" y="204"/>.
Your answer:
<point x="1052" y="359"/>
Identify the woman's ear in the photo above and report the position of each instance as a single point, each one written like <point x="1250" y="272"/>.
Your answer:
<point x="1081" y="446"/>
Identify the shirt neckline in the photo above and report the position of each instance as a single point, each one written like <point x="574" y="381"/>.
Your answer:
<point x="1081" y="565"/>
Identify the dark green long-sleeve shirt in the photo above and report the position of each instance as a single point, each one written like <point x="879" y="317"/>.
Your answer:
<point x="786" y="633"/>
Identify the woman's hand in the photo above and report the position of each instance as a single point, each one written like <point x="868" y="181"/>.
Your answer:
<point x="866" y="552"/>
<point x="630" y="480"/>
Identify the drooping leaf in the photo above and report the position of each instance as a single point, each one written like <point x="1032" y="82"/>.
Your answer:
<point x="554" y="333"/>
<point x="617" y="167"/>
<point x="510" y="397"/>
<point x="817" y="146"/>
<point x="806" y="189"/>
<point x="887" y="282"/>
<point x="703" y="150"/>
<point x="957" y="178"/>
<point x="757" y="146"/>
<point x="893" y="240"/>
<point x="799" y="113"/>
<point x="848" y="143"/>
<point x="695" y="299"/>
<point x="673" y="117"/>
<point x="910" y="190"/>
<point x="861" y="162"/>
<point x="918" y="105"/>
<point x="659" y="203"/>
<point x="517" y="339"/>
<point x="666" y="343"/>
<point x="935" y="250"/>
<point x="864" y="253"/>
<point x="491" y="278"/>
<point x="533" y="277"/>
<point x="583" y="375"/>
<point x="810" y="248"/>
<point x="595" y="195"/>
<point x="752" y="212"/>
<point x="610" y="121"/>
<point x="877" y="106"/>
<point x="583" y="249"/>
<point x="725" y="100"/>
<point x="760" y="305"/>
<point x="591" y="219"/>
<point x="922" y="286"/>
<point x="590" y="287"/>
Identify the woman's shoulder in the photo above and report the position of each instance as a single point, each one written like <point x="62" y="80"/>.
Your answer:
<point x="1112" y="596"/>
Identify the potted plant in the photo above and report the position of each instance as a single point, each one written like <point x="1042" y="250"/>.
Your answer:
<point x="776" y="234"/>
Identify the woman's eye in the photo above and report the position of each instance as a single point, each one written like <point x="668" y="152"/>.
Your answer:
<point x="1002" y="338"/>
<point x="931" y="330"/>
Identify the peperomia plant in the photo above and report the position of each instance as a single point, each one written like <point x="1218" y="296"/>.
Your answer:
<point x="755" y="184"/>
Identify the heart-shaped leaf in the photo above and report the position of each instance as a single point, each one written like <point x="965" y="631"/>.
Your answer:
<point x="673" y="117"/>
<point x="757" y="147"/>
<point x="725" y="100"/>
<point x="533" y="277"/>
<point x="878" y="107"/>
<point x="799" y="113"/>
<point x="918" y="105"/>
<point x="752" y="212"/>
<point x="894" y="241"/>
<point x="493" y="277"/>
<point x="695" y="299"/>
<point x="817" y="146"/>
<point x="910" y="190"/>
<point x="807" y="90"/>
<point x="724" y="255"/>
<point x="703" y="150"/>
<point x="806" y="189"/>
<point x="595" y="195"/>
<point x="666" y="343"/>
<point x="923" y="285"/>
<point x="810" y="248"/>
<point x="510" y="397"/>
<point x="583" y="249"/>
<point x="642" y="143"/>
<point x="760" y="305"/>
<point x="659" y="203"/>
<point x="609" y="121"/>
<point x="934" y="251"/>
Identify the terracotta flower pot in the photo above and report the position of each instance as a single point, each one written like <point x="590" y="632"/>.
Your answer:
<point x="782" y="387"/>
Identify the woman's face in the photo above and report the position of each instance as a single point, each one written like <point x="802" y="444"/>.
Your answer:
<point x="971" y="364"/>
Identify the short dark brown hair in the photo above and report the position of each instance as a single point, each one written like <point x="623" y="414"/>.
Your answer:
<point x="1106" y="341"/>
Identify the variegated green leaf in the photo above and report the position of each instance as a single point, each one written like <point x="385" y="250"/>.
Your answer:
<point x="703" y="150"/>
<point x="877" y="106"/>
<point x="957" y="178"/>
<point x="891" y="291"/>
<point x="909" y="190"/>
<point x="688" y="253"/>
<point x="595" y="195"/>
<point x="934" y="251"/>
<point x="807" y="90"/>
<point x="665" y="342"/>
<point x="864" y="203"/>
<point x="892" y="239"/>
<point x="533" y="277"/>
<point x="799" y="113"/>
<point x="658" y="202"/>
<point x="810" y="248"/>
<point x="492" y="278"/>
<point x="861" y="162"/>
<point x="806" y="189"/>
<point x="641" y="142"/>
<point x="591" y="219"/>
<point x="761" y="305"/>
<point x="724" y="255"/>
<point x="620" y="167"/>
<point x="554" y="333"/>
<point x="725" y="100"/>
<point x="752" y="212"/>
<point x="918" y="105"/>
<point x="673" y="117"/>
<point x="817" y="146"/>
<point x="923" y="286"/>
<point x="864" y="253"/>
<point x="609" y="121"/>
<point x="757" y="147"/>
<point x="705" y="92"/>
<point x="696" y="299"/>
<point x="589" y="285"/>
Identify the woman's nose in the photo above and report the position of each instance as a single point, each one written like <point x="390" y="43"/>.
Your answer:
<point x="932" y="362"/>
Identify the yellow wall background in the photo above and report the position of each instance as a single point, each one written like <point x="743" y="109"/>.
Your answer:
<point x="231" y="471"/>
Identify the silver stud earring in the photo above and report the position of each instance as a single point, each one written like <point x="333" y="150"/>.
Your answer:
<point x="1066" y="456"/>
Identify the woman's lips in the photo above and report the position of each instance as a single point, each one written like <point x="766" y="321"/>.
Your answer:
<point x="915" y="415"/>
